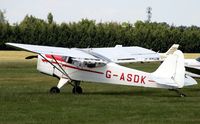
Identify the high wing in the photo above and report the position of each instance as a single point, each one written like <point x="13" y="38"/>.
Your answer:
<point x="74" y="52"/>
<point x="117" y="54"/>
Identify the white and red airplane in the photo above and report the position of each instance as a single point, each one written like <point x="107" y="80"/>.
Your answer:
<point x="101" y="65"/>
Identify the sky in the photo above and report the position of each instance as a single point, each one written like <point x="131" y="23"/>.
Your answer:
<point x="176" y="12"/>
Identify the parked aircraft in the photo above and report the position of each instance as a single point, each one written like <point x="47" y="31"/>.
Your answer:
<point x="192" y="67"/>
<point x="100" y="65"/>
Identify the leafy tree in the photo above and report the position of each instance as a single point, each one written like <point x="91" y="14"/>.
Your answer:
<point x="88" y="33"/>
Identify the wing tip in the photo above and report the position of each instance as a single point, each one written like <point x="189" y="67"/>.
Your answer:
<point x="9" y="44"/>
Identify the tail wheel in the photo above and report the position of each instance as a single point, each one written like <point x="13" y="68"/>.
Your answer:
<point x="77" y="89"/>
<point x="54" y="90"/>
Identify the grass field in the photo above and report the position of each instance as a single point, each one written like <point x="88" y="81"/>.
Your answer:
<point x="25" y="99"/>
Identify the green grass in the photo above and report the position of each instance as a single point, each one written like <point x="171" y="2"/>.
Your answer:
<point x="191" y="55"/>
<point x="25" y="98"/>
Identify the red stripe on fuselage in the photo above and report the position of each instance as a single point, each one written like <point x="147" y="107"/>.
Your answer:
<point x="73" y="67"/>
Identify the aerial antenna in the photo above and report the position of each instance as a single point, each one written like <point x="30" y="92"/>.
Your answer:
<point x="149" y="14"/>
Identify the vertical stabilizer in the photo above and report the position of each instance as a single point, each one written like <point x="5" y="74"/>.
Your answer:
<point x="172" y="49"/>
<point x="172" y="68"/>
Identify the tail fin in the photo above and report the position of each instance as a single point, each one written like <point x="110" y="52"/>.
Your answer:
<point x="172" y="49"/>
<point x="172" y="69"/>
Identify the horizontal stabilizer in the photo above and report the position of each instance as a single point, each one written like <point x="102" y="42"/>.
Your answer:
<point x="189" y="81"/>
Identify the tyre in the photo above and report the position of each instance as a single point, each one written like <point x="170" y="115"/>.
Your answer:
<point x="77" y="89"/>
<point x="54" y="90"/>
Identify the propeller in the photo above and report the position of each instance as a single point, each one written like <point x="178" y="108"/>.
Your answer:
<point x="31" y="57"/>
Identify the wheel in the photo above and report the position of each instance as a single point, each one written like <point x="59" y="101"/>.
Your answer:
<point x="77" y="89"/>
<point x="54" y="90"/>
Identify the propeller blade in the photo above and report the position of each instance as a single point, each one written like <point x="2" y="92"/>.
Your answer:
<point x="31" y="57"/>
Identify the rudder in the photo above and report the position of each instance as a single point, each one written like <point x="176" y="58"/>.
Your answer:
<point x="173" y="68"/>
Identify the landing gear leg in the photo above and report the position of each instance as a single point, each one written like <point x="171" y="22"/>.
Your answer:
<point x="178" y="92"/>
<point x="61" y="83"/>
<point x="77" y="89"/>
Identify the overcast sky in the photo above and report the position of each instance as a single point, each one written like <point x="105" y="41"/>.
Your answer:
<point x="177" y="12"/>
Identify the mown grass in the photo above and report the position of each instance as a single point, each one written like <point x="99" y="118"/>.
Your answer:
<point x="191" y="55"/>
<point x="25" y="98"/>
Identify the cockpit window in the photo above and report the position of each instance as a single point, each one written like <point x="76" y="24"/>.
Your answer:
<point x="198" y="59"/>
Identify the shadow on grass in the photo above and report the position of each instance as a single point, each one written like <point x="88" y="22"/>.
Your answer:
<point x="135" y="93"/>
<point x="138" y="93"/>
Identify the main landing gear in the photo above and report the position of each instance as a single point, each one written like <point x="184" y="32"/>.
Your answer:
<point x="76" y="86"/>
<point x="54" y="90"/>
<point x="77" y="89"/>
<point x="178" y="92"/>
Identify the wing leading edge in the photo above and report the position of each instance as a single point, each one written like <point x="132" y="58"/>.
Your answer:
<point x="116" y="54"/>
<point x="73" y="52"/>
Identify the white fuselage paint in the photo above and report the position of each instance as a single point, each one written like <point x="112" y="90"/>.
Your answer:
<point x="111" y="73"/>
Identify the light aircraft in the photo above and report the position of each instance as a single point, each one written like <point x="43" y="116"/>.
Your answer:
<point x="192" y="67"/>
<point x="101" y="65"/>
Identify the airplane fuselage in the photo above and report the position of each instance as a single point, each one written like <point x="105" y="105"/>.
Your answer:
<point x="111" y="73"/>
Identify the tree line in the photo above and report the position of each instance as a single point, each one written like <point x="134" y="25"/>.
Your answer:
<point x="89" y="33"/>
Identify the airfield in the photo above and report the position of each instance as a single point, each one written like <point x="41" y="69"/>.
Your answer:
<point x="25" y="98"/>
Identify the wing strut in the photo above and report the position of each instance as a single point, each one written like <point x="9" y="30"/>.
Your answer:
<point x="62" y="70"/>
<point x="61" y="67"/>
